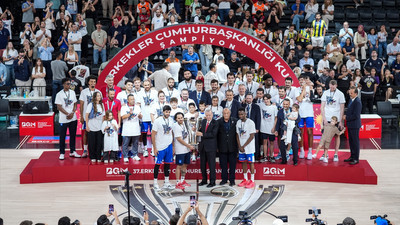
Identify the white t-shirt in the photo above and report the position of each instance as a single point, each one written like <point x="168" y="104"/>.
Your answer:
<point x="222" y="71"/>
<point x="333" y="101"/>
<point x="291" y="93"/>
<point x="175" y="111"/>
<point x="34" y="71"/>
<point x="86" y="96"/>
<point x="191" y="86"/>
<point x="158" y="22"/>
<point x="306" y="108"/>
<point x="221" y="96"/>
<point x="268" y="115"/>
<point x="163" y="127"/>
<point x="182" y="132"/>
<point x="74" y="37"/>
<point x="278" y="101"/>
<point x="95" y="122"/>
<point x="11" y="53"/>
<point x="82" y="72"/>
<point x="252" y="87"/>
<point x="184" y="105"/>
<point x="170" y="94"/>
<point x="131" y="124"/>
<point x="174" y="68"/>
<point x="273" y="91"/>
<point x="157" y="109"/>
<point x="123" y="97"/>
<point x="40" y="32"/>
<point x="244" y="129"/>
<point x="146" y="99"/>
<point x="110" y="135"/>
<point x="67" y="101"/>
<point x="217" y="111"/>
<point x="321" y="65"/>
<point x="234" y="88"/>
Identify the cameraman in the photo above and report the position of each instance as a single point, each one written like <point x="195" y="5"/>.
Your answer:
<point x="202" y="218"/>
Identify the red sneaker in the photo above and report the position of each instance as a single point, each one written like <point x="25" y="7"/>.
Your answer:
<point x="179" y="186"/>
<point x="243" y="183"/>
<point x="250" y="184"/>
<point x="184" y="183"/>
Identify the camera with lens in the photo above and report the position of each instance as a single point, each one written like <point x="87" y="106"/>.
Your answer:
<point x="378" y="218"/>
<point x="315" y="221"/>
<point x="283" y="218"/>
<point x="243" y="218"/>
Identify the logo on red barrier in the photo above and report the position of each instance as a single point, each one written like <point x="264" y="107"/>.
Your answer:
<point x="28" y="124"/>
<point x="115" y="170"/>
<point x="223" y="36"/>
<point x="273" y="171"/>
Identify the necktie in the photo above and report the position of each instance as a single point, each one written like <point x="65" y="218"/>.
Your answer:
<point x="248" y="111"/>
<point x="207" y="125"/>
<point x="198" y="97"/>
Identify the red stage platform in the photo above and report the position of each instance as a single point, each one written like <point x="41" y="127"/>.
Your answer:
<point x="49" y="169"/>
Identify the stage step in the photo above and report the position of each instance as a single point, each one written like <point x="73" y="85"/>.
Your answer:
<point x="26" y="176"/>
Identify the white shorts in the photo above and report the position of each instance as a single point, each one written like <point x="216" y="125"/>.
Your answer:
<point x="317" y="41"/>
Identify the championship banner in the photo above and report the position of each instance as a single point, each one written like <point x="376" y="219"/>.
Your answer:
<point x="219" y="35"/>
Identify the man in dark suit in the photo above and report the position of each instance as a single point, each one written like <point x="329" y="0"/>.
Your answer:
<point x="227" y="146"/>
<point x="200" y="95"/>
<point x="282" y="114"/>
<point x="208" y="147"/>
<point x="241" y="97"/>
<point x="231" y="104"/>
<point x="353" y="120"/>
<point x="253" y="112"/>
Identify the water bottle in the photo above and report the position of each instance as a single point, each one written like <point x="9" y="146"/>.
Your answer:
<point x="18" y="92"/>
<point x="24" y="94"/>
<point x="50" y="106"/>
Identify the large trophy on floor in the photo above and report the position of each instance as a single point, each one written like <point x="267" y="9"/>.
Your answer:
<point x="192" y="126"/>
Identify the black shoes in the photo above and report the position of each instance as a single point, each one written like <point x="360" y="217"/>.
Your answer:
<point x="211" y="185"/>
<point x="223" y="182"/>
<point x="232" y="183"/>
<point x="348" y="160"/>
<point x="354" y="162"/>
<point x="202" y="183"/>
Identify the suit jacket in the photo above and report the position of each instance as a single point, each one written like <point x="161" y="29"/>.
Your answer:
<point x="205" y="97"/>
<point x="208" y="141"/>
<point x="227" y="140"/>
<point x="255" y="114"/>
<point x="279" y="122"/>
<point x="234" y="107"/>
<point x="353" y="114"/>
<point x="236" y="97"/>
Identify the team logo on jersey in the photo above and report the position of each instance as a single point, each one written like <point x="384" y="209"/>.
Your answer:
<point x="168" y="98"/>
<point x="216" y="116"/>
<point x="110" y="131"/>
<point x="184" y="134"/>
<point x="131" y="116"/>
<point x="241" y="131"/>
<point x="266" y="115"/>
<point x="159" y="112"/>
<point x="67" y="102"/>
<point x="330" y="100"/>
<point x="167" y="129"/>
<point x="147" y="100"/>
<point x="89" y="98"/>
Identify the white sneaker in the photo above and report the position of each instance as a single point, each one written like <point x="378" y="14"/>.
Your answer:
<point x="61" y="157"/>
<point x="283" y="137"/>
<point x="193" y="158"/>
<point x="314" y="156"/>
<point x="99" y="161"/>
<point x="309" y="155"/>
<point x="145" y="153"/>
<point x="126" y="160"/>
<point x="161" y="58"/>
<point x="301" y="156"/>
<point x="136" y="158"/>
<point x="322" y="158"/>
<point x="325" y="160"/>
<point x="93" y="161"/>
<point x="156" y="187"/>
<point x="111" y="161"/>
<point x="105" y="161"/>
<point x="168" y="186"/>
<point x="74" y="154"/>
<point x="152" y="153"/>
<point x="336" y="158"/>
<point x="298" y="138"/>
<point x="155" y="57"/>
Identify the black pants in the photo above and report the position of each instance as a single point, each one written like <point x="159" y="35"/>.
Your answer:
<point x="295" y="148"/>
<point x="72" y="135"/>
<point x="108" y="155"/>
<point x="95" y="142"/>
<point x="354" y="142"/>
<point x="224" y="160"/>
<point x="257" y="154"/>
<point x="208" y="157"/>
<point x="367" y="101"/>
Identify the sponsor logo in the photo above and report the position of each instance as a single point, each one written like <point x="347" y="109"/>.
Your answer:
<point x="274" y="171"/>
<point x="115" y="170"/>
<point x="28" y="124"/>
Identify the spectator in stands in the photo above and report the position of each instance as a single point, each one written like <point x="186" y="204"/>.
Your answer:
<point x="291" y="45"/>
<point x="360" y="41"/>
<point x="66" y="104"/>
<point x="327" y="12"/>
<point x="71" y="57"/>
<point x="114" y="48"/>
<point x="318" y="31"/>
<point x="292" y="59"/>
<point x="22" y="71"/>
<point x="304" y="38"/>
<point x="28" y="9"/>
<point x="38" y="75"/>
<point x="392" y="50"/>
<point x="142" y="30"/>
<point x="344" y="81"/>
<point x="277" y="46"/>
<point x="259" y="6"/>
<point x="3" y="73"/>
<point x="357" y="75"/>
<point x="260" y="31"/>
<point x="117" y="32"/>
<point x="59" y="68"/>
<point x="323" y="63"/>
<point x="26" y="34"/>
<point x="273" y="20"/>
<point x="49" y="17"/>
<point x="4" y="37"/>
<point x="8" y="20"/>
<point x="345" y="33"/>
<point x="144" y="17"/>
<point x="99" y="39"/>
<point x="61" y="9"/>
<point x="174" y="66"/>
<point x="211" y="75"/>
<point x="9" y="56"/>
<point x="290" y="33"/>
<point x="246" y="28"/>
<point x="324" y="78"/>
<point x="368" y="89"/>
<point x="222" y="70"/>
<point x="374" y="62"/>
<point x="234" y="63"/>
<point x="352" y="64"/>
<point x="45" y="51"/>
<point x="146" y="69"/>
<point x="63" y="42"/>
<point x="223" y="9"/>
<point x="387" y="84"/>
<point x="190" y="61"/>
<point x="231" y="19"/>
<point x="372" y="40"/>
<point x="311" y="9"/>
<point x="298" y="13"/>
<point x="335" y="52"/>
<point x="309" y="75"/>
<point x="395" y="67"/>
<point x="160" y="77"/>
<point x="306" y="60"/>
<point x="127" y="23"/>
<point x="348" y="48"/>
<point x="382" y="44"/>
<point x="75" y="39"/>
<point x="42" y="34"/>
<point x="72" y="7"/>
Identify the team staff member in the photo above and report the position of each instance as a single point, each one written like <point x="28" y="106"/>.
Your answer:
<point x="94" y="118"/>
<point x="253" y="112"/>
<point x="130" y="114"/>
<point x="208" y="147"/>
<point x="245" y="132"/>
<point x="162" y="139"/>
<point x="66" y="103"/>
<point x="113" y="105"/>
<point x="230" y="103"/>
<point x="200" y="95"/>
<point x="182" y="150"/>
<point x="353" y="120"/>
<point x="227" y="146"/>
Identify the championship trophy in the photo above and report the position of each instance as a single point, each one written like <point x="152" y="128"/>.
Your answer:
<point x="192" y="126"/>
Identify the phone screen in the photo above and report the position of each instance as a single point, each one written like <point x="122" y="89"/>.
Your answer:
<point x="144" y="209"/>
<point x="192" y="200"/>
<point x="110" y="208"/>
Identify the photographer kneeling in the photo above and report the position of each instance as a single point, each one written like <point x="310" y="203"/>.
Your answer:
<point x="193" y="219"/>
